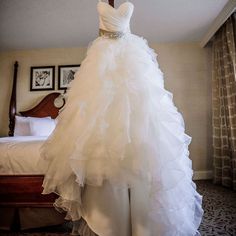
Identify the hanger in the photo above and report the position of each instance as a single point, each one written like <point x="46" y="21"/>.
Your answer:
<point x="111" y="2"/>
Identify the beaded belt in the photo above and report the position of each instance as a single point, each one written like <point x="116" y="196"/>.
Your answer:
<point x="110" y="34"/>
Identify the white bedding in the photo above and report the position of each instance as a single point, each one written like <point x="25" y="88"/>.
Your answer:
<point x="20" y="155"/>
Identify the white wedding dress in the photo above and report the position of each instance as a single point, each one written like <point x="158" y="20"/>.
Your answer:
<point x="120" y="130"/>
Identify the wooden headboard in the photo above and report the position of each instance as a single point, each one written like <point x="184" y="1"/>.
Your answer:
<point x="44" y="108"/>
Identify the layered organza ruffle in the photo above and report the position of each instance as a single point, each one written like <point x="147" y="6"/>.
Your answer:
<point x="120" y="124"/>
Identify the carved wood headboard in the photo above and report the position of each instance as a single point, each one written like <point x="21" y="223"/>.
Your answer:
<point x="44" y="108"/>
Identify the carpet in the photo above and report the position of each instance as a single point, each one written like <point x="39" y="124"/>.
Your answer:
<point x="219" y="204"/>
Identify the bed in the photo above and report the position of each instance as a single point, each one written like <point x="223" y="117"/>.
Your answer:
<point x="20" y="179"/>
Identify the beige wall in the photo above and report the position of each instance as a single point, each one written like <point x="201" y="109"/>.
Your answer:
<point x="26" y="59"/>
<point x="187" y="71"/>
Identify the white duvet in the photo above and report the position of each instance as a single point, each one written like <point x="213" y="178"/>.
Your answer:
<point x="20" y="155"/>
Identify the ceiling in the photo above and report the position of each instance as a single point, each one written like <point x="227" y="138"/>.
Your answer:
<point x="28" y="24"/>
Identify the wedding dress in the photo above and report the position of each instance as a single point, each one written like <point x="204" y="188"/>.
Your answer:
<point x="120" y="131"/>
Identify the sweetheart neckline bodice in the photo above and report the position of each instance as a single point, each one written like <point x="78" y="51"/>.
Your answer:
<point x="115" y="19"/>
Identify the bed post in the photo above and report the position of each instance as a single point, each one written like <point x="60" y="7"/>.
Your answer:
<point x="12" y="107"/>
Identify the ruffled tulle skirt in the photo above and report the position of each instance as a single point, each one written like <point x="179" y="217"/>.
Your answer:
<point x="120" y="125"/>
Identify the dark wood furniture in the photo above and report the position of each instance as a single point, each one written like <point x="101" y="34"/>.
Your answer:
<point x="12" y="108"/>
<point x="23" y="191"/>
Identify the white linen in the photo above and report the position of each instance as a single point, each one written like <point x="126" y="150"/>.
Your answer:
<point x="22" y="126"/>
<point x="34" y="126"/>
<point x="42" y="126"/>
<point x="20" y="155"/>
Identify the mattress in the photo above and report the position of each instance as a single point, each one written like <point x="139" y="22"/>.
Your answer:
<point x="20" y="155"/>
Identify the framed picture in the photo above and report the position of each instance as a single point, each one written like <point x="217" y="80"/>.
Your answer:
<point x="66" y="75"/>
<point x="42" y="78"/>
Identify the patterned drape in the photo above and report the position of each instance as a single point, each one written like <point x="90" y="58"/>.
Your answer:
<point x="224" y="104"/>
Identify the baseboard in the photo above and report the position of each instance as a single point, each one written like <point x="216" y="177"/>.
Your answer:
<point x="202" y="174"/>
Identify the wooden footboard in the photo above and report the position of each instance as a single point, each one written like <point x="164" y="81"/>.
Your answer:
<point x="24" y="191"/>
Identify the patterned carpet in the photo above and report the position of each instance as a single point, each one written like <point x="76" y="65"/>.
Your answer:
<point x="219" y="204"/>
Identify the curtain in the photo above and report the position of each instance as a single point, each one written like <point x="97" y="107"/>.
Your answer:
<point x="224" y="104"/>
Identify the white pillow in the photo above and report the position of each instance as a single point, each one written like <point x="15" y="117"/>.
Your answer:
<point x="22" y="126"/>
<point x="27" y="126"/>
<point x="42" y="127"/>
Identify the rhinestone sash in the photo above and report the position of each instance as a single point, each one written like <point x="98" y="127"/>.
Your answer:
<point x="110" y="34"/>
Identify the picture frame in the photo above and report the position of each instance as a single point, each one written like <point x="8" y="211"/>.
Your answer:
<point x="42" y="78"/>
<point x="66" y="75"/>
